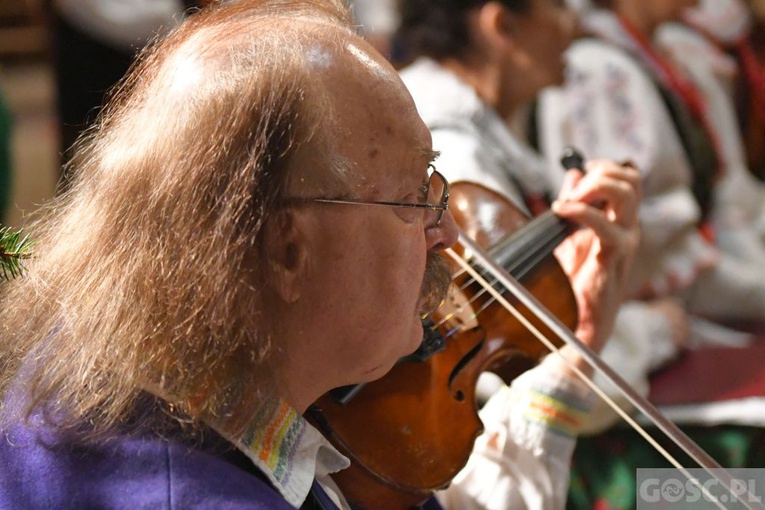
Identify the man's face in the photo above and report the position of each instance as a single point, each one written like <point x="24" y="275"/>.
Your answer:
<point x="367" y="263"/>
<point x="542" y="35"/>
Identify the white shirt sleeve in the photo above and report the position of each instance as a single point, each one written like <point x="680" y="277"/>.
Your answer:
<point x="522" y="459"/>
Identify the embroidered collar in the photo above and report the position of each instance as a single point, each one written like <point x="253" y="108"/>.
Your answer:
<point x="289" y="451"/>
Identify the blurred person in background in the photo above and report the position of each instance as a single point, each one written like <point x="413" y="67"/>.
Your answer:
<point x="711" y="47"/>
<point x="625" y="98"/>
<point x="478" y="65"/>
<point x="751" y="98"/>
<point x="93" y="45"/>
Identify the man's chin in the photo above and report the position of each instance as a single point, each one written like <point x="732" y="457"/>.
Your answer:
<point x="378" y="372"/>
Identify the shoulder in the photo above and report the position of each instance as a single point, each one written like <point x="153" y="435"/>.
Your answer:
<point x="451" y="110"/>
<point x="474" y="143"/>
<point x="693" y="51"/>
<point x="42" y="471"/>
<point x="598" y="57"/>
<point x="441" y="97"/>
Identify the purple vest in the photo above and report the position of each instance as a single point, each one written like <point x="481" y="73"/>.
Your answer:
<point x="41" y="469"/>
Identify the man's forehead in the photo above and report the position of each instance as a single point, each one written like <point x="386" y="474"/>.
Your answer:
<point x="375" y="114"/>
<point x="365" y="56"/>
<point x="344" y="53"/>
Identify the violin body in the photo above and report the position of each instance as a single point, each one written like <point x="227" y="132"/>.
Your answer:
<point x="409" y="433"/>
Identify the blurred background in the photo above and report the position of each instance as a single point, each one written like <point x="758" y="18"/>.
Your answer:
<point x="77" y="49"/>
<point x="26" y="83"/>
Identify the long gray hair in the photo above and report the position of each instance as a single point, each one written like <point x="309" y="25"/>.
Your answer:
<point x="146" y="273"/>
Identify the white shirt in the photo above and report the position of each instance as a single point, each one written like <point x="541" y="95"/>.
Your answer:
<point x="520" y="461"/>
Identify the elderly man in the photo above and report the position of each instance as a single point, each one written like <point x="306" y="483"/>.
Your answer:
<point x="251" y="225"/>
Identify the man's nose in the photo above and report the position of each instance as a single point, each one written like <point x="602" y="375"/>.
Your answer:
<point x="444" y="235"/>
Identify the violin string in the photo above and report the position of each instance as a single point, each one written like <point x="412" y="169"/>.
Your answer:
<point x="447" y="317"/>
<point x="491" y="300"/>
<point x="541" y="234"/>
<point x="727" y="482"/>
<point x="495" y="283"/>
<point x="473" y="298"/>
<point x="545" y="233"/>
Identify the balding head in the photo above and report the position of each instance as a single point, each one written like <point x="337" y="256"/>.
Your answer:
<point x="175" y="185"/>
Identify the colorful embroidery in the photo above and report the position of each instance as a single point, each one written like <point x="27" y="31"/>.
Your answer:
<point x="561" y="417"/>
<point x="275" y="444"/>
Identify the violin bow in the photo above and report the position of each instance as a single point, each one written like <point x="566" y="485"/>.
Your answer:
<point x="671" y="430"/>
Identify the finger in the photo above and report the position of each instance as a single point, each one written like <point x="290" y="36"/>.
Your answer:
<point x="601" y="169"/>
<point x="570" y="181"/>
<point x="617" y="198"/>
<point x="622" y="214"/>
<point x="609" y="168"/>
<point x="613" y="190"/>
<point x="610" y="233"/>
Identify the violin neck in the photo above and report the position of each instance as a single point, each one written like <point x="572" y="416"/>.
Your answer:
<point x="523" y="250"/>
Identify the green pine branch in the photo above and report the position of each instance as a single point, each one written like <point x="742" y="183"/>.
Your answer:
<point x="14" y="249"/>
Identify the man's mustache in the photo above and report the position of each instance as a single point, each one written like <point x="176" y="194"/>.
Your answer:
<point x="435" y="285"/>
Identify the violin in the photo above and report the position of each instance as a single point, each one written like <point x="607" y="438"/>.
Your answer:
<point x="422" y="417"/>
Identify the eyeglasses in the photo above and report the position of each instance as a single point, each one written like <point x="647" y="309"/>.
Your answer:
<point x="435" y="193"/>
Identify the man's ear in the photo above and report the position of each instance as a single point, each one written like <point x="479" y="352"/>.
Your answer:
<point x="497" y="24"/>
<point x="286" y="256"/>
